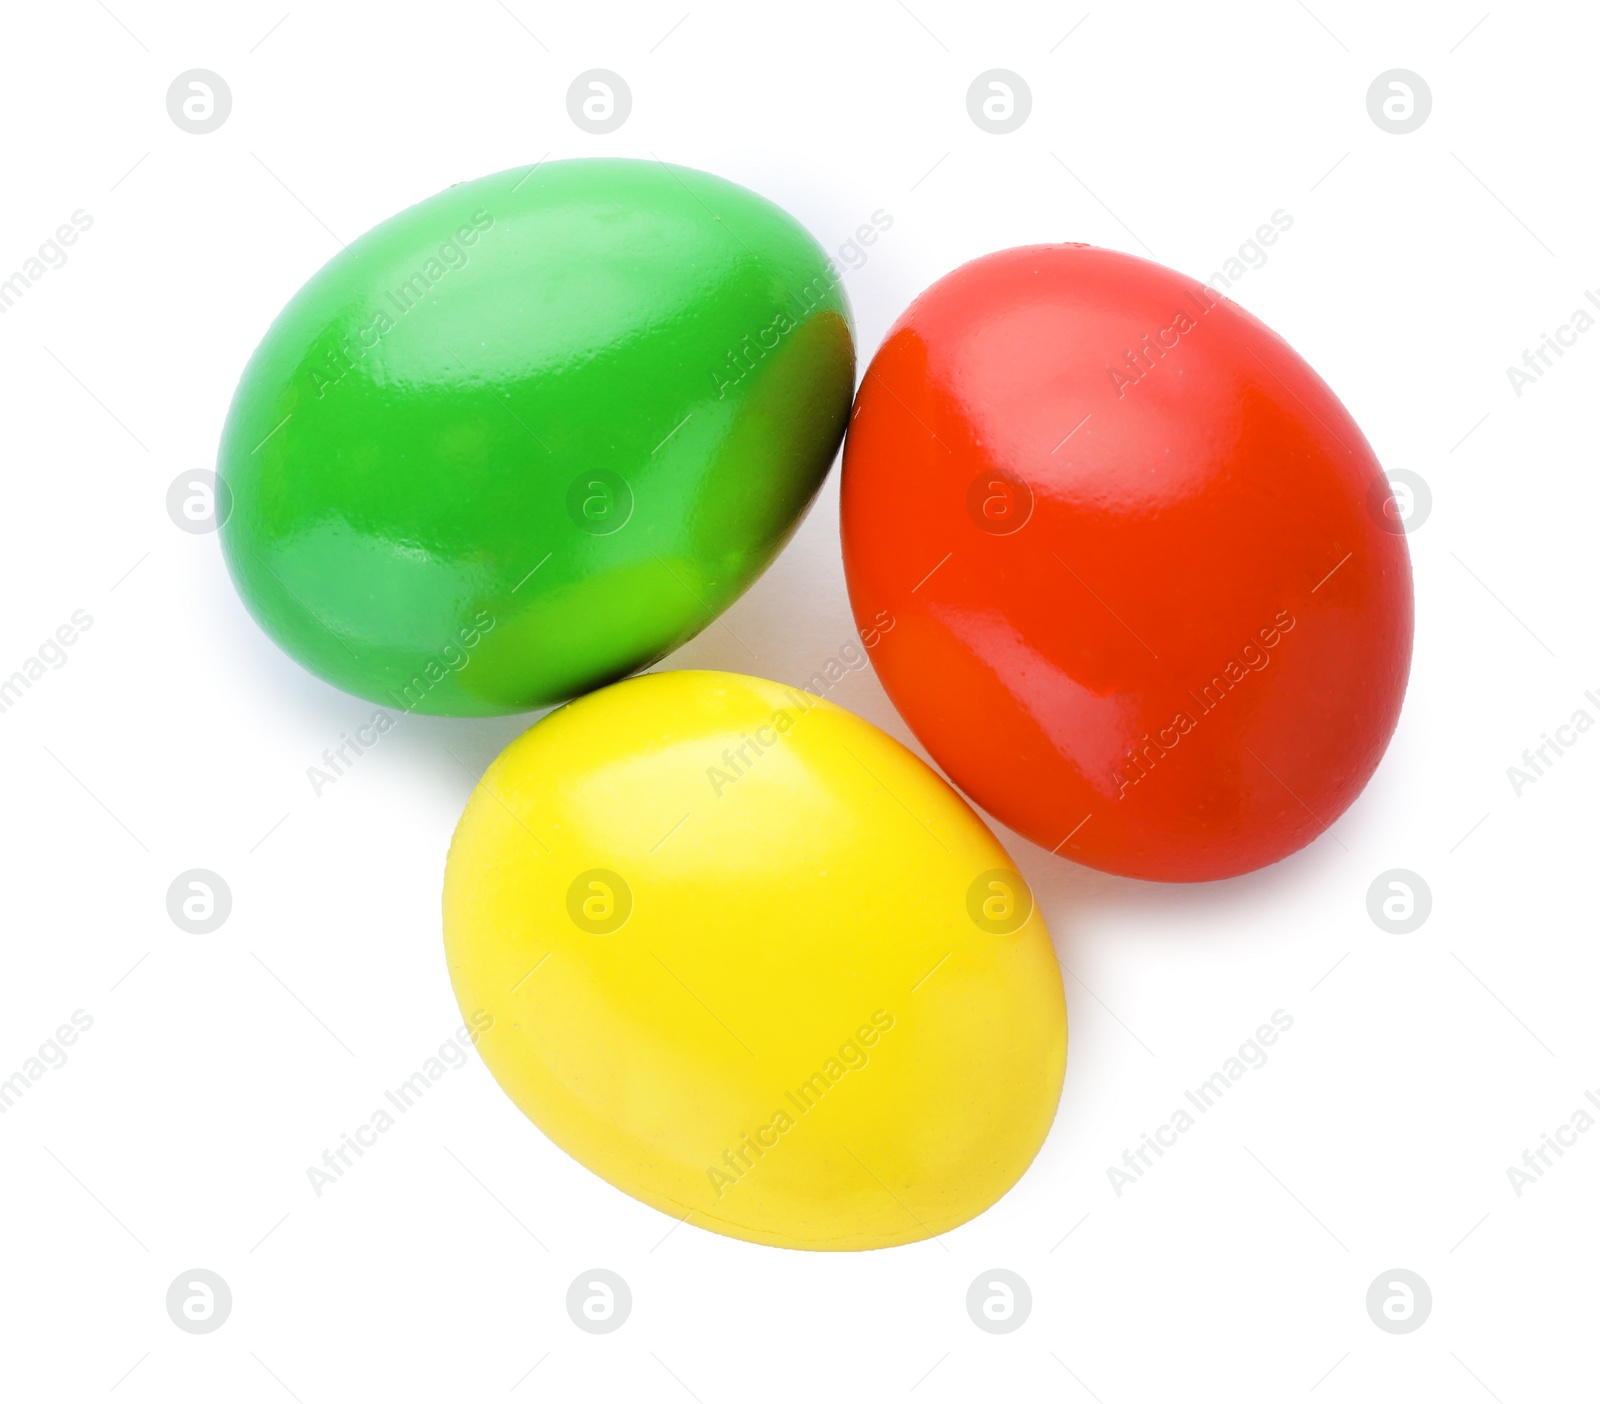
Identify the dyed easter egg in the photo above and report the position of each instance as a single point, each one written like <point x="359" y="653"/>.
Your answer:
<point x="533" y="433"/>
<point x="1151" y="595"/>
<point x="748" y="959"/>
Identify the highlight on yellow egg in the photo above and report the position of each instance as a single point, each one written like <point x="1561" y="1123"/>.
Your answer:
<point x="755" y="964"/>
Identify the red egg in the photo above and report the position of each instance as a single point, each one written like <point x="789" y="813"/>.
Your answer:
<point x="1124" y="563"/>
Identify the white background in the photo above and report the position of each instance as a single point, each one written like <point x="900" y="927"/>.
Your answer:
<point x="176" y="736"/>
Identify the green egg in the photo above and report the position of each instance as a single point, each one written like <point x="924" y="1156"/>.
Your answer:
<point x="534" y="433"/>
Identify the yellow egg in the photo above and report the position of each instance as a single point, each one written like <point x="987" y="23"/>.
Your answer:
<point x="751" y="961"/>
